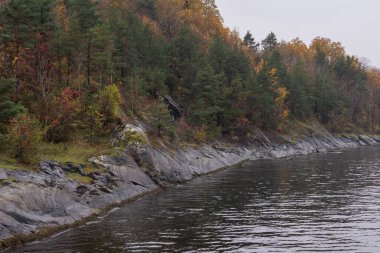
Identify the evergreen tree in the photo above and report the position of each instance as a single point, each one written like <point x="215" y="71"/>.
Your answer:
<point x="264" y="98"/>
<point x="85" y="18"/>
<point x="325" y="96"/>
<point x="276" y="61"/>
<point x="8" y="108"/>
<point x="184" y="61"/>
<point x="299" y="101"/>
<point x="205" y="109"/>
<point x="270" y="42"/>
<point x="21" y="21"/>
<point x="228" y="61"/>
<point x="250" y="42"/>
<point x="155" y="82"/>
<point x="161" y="120"/>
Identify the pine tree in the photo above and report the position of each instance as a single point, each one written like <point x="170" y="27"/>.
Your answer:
<point x="8" y="108"/>
<point x="161" y="120"/>
<point x="206" y="109"/>
<point x="85" y="18"/>
<point x="250" y="42"/>
<point x="270" y="42"/>
<point x="184" y="61"/>
<point x="299" y="101"/>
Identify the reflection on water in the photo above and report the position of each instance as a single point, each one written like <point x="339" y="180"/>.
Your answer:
<point x="325" y="203"/>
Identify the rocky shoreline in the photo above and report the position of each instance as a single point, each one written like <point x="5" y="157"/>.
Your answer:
<point x="38" y="204"/>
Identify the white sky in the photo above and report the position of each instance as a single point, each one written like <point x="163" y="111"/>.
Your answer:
<point x="355" y="23"/>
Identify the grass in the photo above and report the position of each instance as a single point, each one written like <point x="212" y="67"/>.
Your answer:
<point x="12" y="164"/>
<point x="75" y="152"/>
<point x="79" y="178"/>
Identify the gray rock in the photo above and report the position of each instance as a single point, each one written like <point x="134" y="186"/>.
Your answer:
<point x="82" y="189"/>
<point x="70" y="167"/>
<point x="3" y="175"/>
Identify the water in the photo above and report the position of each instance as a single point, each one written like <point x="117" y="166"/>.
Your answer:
<point x="318" y="203"/>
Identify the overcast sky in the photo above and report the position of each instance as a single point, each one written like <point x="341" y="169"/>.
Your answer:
<point x="355" y="23"/>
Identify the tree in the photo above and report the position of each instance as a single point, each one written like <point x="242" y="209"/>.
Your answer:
<point x="21" y="21"/>
<point x="85" y="18"/>
<point x="24" y="136"/>
<point x="268" y="108"/>
<point x="65" y="110"/>
<point x="325" y="97"/>
<point x="205" y="109"/>
<point x="298" y="101"/>
<point x="109" y="100"/>
<point x="250" y="42"/>
<point x="270" y="42"/>
<point x="228" y="61"/>
<point x="184" y="61"/>
<point x="155" y="82"/>
<point x="161" y="120"/>
<point x="8" y="108"/>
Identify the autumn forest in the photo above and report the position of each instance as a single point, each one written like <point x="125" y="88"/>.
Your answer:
<point x="75" y="70"/>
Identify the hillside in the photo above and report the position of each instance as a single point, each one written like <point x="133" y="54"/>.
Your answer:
<point x="73" y="71"/>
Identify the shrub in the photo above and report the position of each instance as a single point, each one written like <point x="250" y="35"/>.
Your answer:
<point x="109" y="103"/>
<point x="102" y="117"/>
<point x="3" y="142"/>
<point x="161" y="120"/>
<point x="200" y="134"/>
<point x="24" y="135"/>
<point x="65" y="108"/>
<point x="8" y="108"/>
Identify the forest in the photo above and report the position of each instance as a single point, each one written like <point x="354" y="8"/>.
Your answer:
<point x="74" y="70"/>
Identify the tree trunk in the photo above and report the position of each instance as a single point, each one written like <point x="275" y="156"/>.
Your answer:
<point x="89" y="63"/>
<point x="68" y="69"/>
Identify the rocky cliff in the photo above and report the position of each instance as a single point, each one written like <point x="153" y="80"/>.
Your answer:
<point x="35" y="204"/>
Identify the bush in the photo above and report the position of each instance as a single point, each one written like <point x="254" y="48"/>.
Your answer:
<point x="8" y="108"/>
<point x="200" y="134"/>
<point x="102" y="117"/>
<point x="3" y="143"/>
<point x="24" y="135"/>
<point x="161" y="120"/>
<point x="109" y="103"/>
<point x="65" y="108"/>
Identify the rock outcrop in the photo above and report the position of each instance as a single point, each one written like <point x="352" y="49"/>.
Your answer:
<point x="32" y="201"/>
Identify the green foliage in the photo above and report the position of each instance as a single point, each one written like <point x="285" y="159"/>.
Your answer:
<point x="135" y="138"/>
<point x="134" y="86"/>
<point x="205" y="108"/>
<point x="84" y="13"/>
<point x="228" y="61"/>
<point x="155" y="82"/>
<point x="325" y="96"/>
<point x="8" y="108"/>
<point x="250" y="42"/>
<point x="270" y="42"/>
<point x="299" y="100"/>
<point x="24" y="136"/>
<point x="161" y="120"/>
<point x="23" y="18"/>
<point x="104" y="114"/>
<point x="109" y="100"/>
<point x="184" y="61"/>
<point x="67" y="56"/>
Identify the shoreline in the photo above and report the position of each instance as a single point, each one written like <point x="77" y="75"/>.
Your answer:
<point x="128" y="181"/>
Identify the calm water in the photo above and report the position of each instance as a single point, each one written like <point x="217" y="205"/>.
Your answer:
<point x="319" y="203"/>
